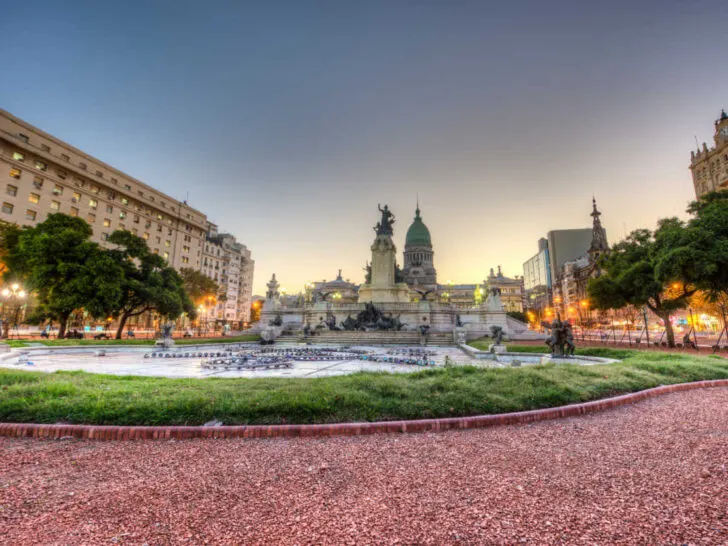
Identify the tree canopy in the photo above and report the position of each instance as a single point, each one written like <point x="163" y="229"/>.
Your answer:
<point x="197" y="284"/>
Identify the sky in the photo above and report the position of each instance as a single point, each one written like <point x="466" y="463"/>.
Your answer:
<point x="287" y="123"/>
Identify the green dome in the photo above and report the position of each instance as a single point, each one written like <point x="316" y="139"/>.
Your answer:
<point x="418" y="234"/>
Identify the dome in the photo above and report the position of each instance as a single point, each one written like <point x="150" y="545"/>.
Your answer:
<point x="418" y="234"/>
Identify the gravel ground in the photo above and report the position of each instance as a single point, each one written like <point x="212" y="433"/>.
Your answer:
<point x="652" y="473"/>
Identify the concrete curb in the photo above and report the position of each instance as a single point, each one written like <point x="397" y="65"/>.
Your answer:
<point x="97" y="432"/>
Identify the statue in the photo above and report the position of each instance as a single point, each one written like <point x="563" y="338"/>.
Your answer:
<point x="561" y="340"/>
<point x="384" y="226"/>
<point x="167" y="331"/>
<point x="496" y="332"/>
<point x="272" y="293"/>
<point x="350" y="324"/>
<point x="277" y="321"/>
<point x="458" y="321"/>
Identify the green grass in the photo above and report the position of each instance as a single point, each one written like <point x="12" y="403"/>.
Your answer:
<point x="603" y="352"/>
<point x="183" y="341"/>
<point x="78" y="397"/>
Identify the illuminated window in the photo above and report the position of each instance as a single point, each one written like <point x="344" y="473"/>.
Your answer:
<point x="166" y="255"/>
<point x="15" y="173"/>
<point x="93" y="203"/>
<point x="124" y="201"/>
<point x="8" y="208"/>
<point x="185" y="260"/>
<point x="122" y="215"/>
<point x="145" y="236"/>
<point x="57" y="189"/>
<point x="160" y="217"/>
<point x="45" y="147"/>
<point x="34" y="198"/>
<point x="167" y="244"/>
<point x="95" y="189"/>
<point x="62" y="175"/>
<point x="91" y="218"/>
<point x="64" y="157"/>
<point x="74" y="212"/>
<point x="107" y="222"/>
<point x="185" y="249"/>
<point x="109" y="209"/>
<point x="76" y="197"/>
<point x="30" y="214"/>
<point x="12" y="190"/>
<point x="38" y="182"/>
<point x="41" y="166"/>
<point x="55" y="205"/>
<point x="17" y="156"/>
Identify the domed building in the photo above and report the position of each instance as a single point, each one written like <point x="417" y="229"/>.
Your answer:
<point x="419" y="270"/>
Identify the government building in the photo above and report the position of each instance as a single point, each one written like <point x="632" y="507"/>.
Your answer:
<point x="41" y="175"/>
<point x="710" y="165"/>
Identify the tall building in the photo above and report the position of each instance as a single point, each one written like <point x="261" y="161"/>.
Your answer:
<point x="511" y="289"/>
<point x="709" y="166"/>
<point x="41" y="175"/>
<point x="565" y="245"/>
<point x="229" y="264"/>
<point x="537" y="278"/>
<point x="419" y="269"/>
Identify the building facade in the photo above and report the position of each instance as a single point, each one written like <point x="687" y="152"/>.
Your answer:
<point x="229" y="264"/>
<point x="511" y="289"/>
<point x="709" y="166"/>
<point x="42" y="175"/>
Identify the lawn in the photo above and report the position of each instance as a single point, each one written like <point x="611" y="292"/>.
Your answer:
<point x="78" y="397"/>
<point x="79" y="342"/>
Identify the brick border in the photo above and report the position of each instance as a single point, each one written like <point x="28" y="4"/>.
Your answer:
<point x="98" y="432"/>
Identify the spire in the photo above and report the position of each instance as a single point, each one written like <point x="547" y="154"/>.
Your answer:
<point x="723" y="115"/>
<point x="417" y="210"/>
<point x="599" y="235"/>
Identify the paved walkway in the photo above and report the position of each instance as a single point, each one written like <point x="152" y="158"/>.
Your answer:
<point x="652" y="473"/>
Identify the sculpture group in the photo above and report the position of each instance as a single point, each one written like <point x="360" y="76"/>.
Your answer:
<point x="561" y="341"/>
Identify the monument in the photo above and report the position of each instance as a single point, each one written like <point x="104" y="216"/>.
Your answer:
<point x="383" y="287"/>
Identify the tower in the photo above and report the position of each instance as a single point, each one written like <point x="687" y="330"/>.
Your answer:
<point x="419" y="269"/>
<point x="599" y="245"/>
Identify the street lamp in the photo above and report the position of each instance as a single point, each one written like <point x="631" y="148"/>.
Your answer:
<point x="14" y="292"/>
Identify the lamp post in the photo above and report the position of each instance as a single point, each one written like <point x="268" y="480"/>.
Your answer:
<point x="14" y="292"/>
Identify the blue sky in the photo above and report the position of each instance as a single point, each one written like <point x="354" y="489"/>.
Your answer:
<point x="287" y="122"/>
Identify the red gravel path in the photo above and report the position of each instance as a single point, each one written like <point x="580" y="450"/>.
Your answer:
<point x="652" y="473"/>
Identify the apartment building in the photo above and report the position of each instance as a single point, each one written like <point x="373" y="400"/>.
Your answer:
<point x="229" y="264"/>
<point x="41" y="175"/>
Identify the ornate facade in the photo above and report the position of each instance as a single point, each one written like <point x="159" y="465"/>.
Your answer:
<point x="709" y="166"/>
<point x="419" y="269"/>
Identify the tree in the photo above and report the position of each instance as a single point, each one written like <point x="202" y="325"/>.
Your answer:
<point x="198" y="285"/>
<point x="709" y="238"/>
<point x="57" y="260"/>
<point x="653" y="269"/>
<point x="149" y="284"/>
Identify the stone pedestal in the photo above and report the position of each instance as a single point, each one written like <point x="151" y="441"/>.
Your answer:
<point x="382" y="288"/>
<point x="4" y="348"/>
<point x="459" y="335"/>
<point x="496" y="349"/>
<point x="165" y="343"/>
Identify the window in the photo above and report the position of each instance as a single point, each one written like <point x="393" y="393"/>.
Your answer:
<point x="57" y="189"/>
<point x="145" y="236"/>
<point x="141" y="193"/>
<point x="91" y="218"/>
<point x="122" y="215"/>
<point x="169" y="232"/>
<point x="135" y="231"/>
<point x="64" y="157"/>
<point x="124" y="201"/>
<point x="34" y="198"/>
<point x="7" y="208"/>
<point x="23" y="137"/>
<point x="82" y="166"/>
<point x="111" y="195"/>
<point x="127" y="187"/>
<point x="159" y="228"/>
<point x="76" y="197"/>
<point x="107" y="222"/>
<point x="45" y="147"/>
<point x="151" y="197"/>
<point x="147" y="224"/>
<point x="15" y="173"/>
<point x="80" y="183"/>
<point x="55" y="205"/>
<point x="185" y="260"/>
<point x="74" y="212"/>
<point x="17" y="156"/>
<point x="94" y="189"/>
<point x="38" y="182"/>
<point x="30" y="214"/>
<point x="93" y="203"/>
<point x="136" y="218"/>
<point x="185" y="249"/>
<point x="99" y="174"/>
<point x="109" y="209"/>
<point x="158" y="240"/>
<point x="164" y="205"/>
<point x="160" y="217"/>
<point x="166" y="255"/>
<point x="62" y="175"/>
<point x="122" y="226"/>
<point x="12" y="190"/>
<point x="167" y="244"/>
<point x="105" y="236"/>
<point x="114" y="181"/>
<point x="41" y="166"/>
